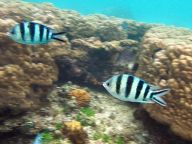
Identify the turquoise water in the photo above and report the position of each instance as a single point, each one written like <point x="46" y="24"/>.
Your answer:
<point x="170" y="12"/>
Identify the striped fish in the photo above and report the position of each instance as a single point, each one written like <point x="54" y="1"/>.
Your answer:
<point x="131" y="88"/>
<point x="33" y="33"/>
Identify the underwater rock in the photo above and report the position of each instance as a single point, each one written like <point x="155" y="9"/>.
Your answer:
<point x="91" y="54"/>
<point x="91" y="60"/>
<point x="101" y="27"/>
<point x="165" y="59"/>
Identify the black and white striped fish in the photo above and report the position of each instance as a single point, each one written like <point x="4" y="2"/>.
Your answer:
<point x="131" y="88"/>
<point x="33" y="33"/>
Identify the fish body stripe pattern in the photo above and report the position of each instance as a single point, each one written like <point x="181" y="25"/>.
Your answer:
<point x="142" y="92"/>
<point x="32" y="30"/>
<point x="139" y="88"/>
<point x="134" y="88"/>
<point x="118" y="84"/>
<point x="47" y="35"/>
<point x="129" y="83"/>
<point x="146" y="92"/>
<point x="151" y="95"/>
<point x="22" y="30"/>
<point x="41" y="29"/>
<point x="37" y="32"/>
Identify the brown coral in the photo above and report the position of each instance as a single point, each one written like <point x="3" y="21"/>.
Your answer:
<point x="82" y="96"/>
<point x="21" y="70"/>
<point x="33" y="68"/>
<point x="166" y="60"/>
<point x="74" y="131"/>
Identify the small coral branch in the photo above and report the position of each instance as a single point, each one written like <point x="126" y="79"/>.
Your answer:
<point x="74" y="131"/>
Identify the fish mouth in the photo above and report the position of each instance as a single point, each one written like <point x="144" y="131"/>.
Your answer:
<point x="104" y="84"/>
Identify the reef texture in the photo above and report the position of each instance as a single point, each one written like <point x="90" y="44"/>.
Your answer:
<point x="82" y="96"/>
<point x="25" y="76"/>
<point x="93" y="43"/>
<point x="166" y="60"/>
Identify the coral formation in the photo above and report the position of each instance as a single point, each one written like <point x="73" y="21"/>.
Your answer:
<point x="82" y="96"/>
<point x="96" y="47"/>
<point x="24" y="75"/>
<point x="166" y="60"/>
<point x="33" y="68"/>
<point x="74" y="131"/>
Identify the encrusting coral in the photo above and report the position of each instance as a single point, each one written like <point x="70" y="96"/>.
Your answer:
<point x="88" y="59"/>
<point x="82" y="96"/>
<point x="166" y="60"/>
<point x="37" y="63"/>
<point x="22" y="74"/>
<point x="74" y="131"/>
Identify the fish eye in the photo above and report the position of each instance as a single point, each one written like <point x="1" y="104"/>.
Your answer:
<point x="108" y="84"/>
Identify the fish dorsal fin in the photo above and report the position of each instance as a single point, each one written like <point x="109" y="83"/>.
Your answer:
<point x="154" y="87"/>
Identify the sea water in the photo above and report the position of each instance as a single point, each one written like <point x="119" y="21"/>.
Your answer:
<point x="170" y="12"/>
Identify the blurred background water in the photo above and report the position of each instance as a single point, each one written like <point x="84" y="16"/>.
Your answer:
<point x="170" y="12"/>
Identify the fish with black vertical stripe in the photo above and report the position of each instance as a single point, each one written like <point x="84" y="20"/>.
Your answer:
<point x="130" y="88"/>
<point x="33" y="33"/>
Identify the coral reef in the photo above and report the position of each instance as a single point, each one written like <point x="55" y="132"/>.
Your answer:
<point x="96" y="47"/>
<point x="105" y="115"/>
<point x="24" y="76"/>
<point x="28" y="72"/>
<point x="82" y="96"/>
<point x="74" y="131"/>
<point x="92" y="60"/>
<point x="166" y="60"/>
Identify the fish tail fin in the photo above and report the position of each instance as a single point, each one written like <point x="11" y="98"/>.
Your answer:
<point x="156" y="96"/>
<point x="55" y="36"/>
<point x="58" y="39"/>
<point x="59" y="33"/>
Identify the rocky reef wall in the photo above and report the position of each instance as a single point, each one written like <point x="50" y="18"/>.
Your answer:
<point x="27" y="73"/>
<point x="166" y="60"/>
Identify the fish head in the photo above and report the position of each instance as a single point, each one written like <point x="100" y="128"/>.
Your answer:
<point x="14" y="33"/>
<point x="110" y="86"/>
